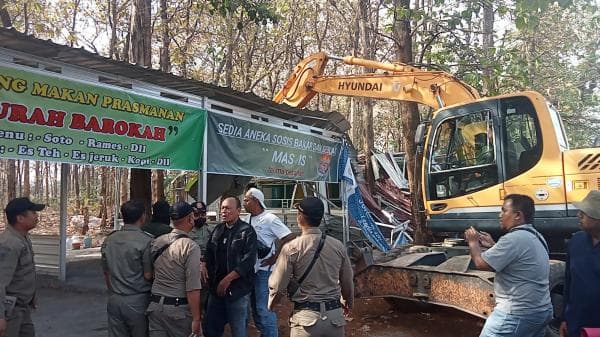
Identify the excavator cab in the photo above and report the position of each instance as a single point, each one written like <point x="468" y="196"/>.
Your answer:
<point x="477" y="153"/>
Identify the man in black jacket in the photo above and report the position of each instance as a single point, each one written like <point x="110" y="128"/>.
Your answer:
<point x="230" y="259"/>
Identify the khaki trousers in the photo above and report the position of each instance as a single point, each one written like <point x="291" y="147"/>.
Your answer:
<point x="169" y="320"/>
<point x="19" y="323"/>
<point x="308" y="323"/>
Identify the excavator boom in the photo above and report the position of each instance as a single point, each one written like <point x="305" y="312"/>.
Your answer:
<point x="398" y="81"/>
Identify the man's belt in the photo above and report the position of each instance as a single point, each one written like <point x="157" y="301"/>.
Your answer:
<point x="316" y="306"/>
<point x="169" y="300"/>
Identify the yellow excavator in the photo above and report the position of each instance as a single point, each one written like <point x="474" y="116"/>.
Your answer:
<point x="475" y="151"/>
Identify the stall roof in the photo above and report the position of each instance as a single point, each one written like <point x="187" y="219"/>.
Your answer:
<point x="11" y="39"/>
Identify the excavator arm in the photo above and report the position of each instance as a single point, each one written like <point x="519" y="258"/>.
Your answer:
<point x="398" y="81"/>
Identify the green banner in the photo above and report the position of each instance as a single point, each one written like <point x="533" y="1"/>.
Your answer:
<point x="46" y="117"/>
<point x="241" y="147"/>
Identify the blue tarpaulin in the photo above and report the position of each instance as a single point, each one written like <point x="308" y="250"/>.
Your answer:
<point x="356" y="206"/>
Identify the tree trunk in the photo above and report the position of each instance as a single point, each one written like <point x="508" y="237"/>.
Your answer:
<point x="124" y="185"/>
<point x="74" y="22"/>
<point x="4" y="16"/>
<point x="55" y="187"/>
<point x="141" y="33"/>
<point x="158" y="185"/>
<point x="230" y="47"/>
<point x="140" y="183"/>
<point x="356" y="119"/>
<point x="364" y="8"/>
<point x="75" y="173"/>
<point x="26" y="184"/>
<point x="19" y="179"/>
<point x="103" y="194"/>
<point x="88" y="182"/>
<point x="165" y="57"/>
<point x="47" y="181"/>
<point x="11" y="179"/>
<point x="112" y="21"/>
<point x="488" y="44"/>
<point x="110" y="193"/>
<point x="410" y="121"/>
<point x="3" y="172"/>
<point x="25" y="18"/>
<point x="140" y="186"/>
<point x="38" y="180"/>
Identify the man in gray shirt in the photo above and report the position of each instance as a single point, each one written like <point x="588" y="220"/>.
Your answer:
<point x="128" y="271"/>
<point x="520" y="260"/>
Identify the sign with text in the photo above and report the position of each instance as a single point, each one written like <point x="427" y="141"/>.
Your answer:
<point x="46" y="117"/>
<point x="250" y="148"/>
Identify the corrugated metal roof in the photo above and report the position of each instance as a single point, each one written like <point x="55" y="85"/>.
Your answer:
<point x="11" y="39"/>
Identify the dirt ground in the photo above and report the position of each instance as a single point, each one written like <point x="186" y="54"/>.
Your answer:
<point x="77" y="308"/>
<point x="376" y="317"/>
<point x="74" y="314"/>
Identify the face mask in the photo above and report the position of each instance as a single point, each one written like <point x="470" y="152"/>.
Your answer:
<point x="200" y="222"/>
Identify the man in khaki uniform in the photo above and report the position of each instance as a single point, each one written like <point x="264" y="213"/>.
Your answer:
<point x="128" y="271"/>
<point x="174" y="310"/>
<point x="17" y="269"/>
<point x="201" y="234"/>
<point x="318" y="310"/>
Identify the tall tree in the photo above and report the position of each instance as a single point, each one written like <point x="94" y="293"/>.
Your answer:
<point x="47" y="182"/>
<point x="141" y="54"/>
<point x="75" y="174"/>
<point x="4" y="15"/>
<point x="141" y="33"/>
<point x="158" y="185"/>
<point x="124" y="184"/>
<point x="165" y="55"/>
<point x="409" y="114"/>
<point x="11" y="179"/>
<point x="158" y="176"/>
<point x="104" y="191"/>
<point x="366" y="49"/>
<point x="26" y="182"/>
<point x="488" y="47"/>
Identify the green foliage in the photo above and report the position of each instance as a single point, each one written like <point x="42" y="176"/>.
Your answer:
<point x="258" y="12"/>
<point x="560" y="59"/>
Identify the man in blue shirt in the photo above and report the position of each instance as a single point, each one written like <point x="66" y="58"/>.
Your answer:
<point x="520" y="260"/>
<point x="582" y="274"/>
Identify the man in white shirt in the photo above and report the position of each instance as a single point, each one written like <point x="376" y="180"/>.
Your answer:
<point x="272" y="234"/>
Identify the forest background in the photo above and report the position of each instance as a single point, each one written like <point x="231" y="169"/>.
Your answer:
<point x="552" y="47"/>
